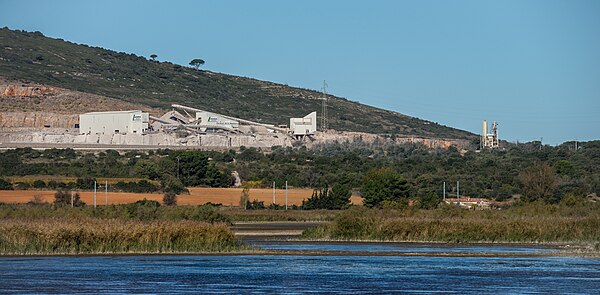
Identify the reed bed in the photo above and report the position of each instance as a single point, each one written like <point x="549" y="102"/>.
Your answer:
<point x="454" y="226"/>
<point x="53" y="236"/>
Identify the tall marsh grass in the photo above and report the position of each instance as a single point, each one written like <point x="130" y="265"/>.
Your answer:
<point x="528" y="224"/>
<point x="142" y="210"/>
<point x="112" y="236"/>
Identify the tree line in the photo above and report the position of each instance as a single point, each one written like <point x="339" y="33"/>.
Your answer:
<point x="412" y="171"/>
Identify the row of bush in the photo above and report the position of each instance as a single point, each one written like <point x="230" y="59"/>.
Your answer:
<point x="384" y="174"/>
<point x="141" y="186"/>
<point x="191" y="168"/>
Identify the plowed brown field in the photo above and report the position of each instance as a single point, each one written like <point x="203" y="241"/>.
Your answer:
<point x="197" y="196"/>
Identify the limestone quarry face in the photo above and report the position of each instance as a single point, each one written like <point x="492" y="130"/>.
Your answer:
<point x="26" y="91"/>
<point x="9" y="121"/>
<point x="47" y="101"/>
<point x="56" y="137"/>
<point x="333" y="136"/>
<point x="72" y="138"/>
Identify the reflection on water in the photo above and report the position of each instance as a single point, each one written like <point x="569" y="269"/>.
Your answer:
<point x="301" y="274"/>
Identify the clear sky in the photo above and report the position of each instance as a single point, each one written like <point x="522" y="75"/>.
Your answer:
<point x="533" y="66"/>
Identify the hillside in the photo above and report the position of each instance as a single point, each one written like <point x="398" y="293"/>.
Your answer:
<point x="135" y="79"/>
<point x="32" y="97"/>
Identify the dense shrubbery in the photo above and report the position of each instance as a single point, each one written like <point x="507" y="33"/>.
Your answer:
<point x="498" y="174"/>
<point x="255" y="205"/>
<point x="5" y="185"/>
<point x="336" y="198"/>
<point x="142" y="186"/>
<point x="384" y="185"/>
<point x="170" y="199"/>
<point x="494" y="174"/>
<point x="62" y="197"/>
<point x="194" y="168"/>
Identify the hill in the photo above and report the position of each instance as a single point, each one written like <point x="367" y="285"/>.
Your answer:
<point x="134" y="79"/>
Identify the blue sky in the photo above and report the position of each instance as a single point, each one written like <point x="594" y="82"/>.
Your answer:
<point x="533" y="66"/>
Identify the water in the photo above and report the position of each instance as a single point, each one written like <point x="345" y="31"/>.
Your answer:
<point x="377" y="247"/>
<point x="357" y="274"/>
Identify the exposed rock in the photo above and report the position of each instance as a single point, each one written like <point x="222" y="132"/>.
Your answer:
<point x="23" y="97"/>
<point x="26" y="91"/>
<point x="376" y="139"/>
<point x="72" y="138"/>
<point x="36" y="120"/>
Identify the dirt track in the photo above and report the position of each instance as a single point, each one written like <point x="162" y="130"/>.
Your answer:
<point x="260" y="231"/>
<point x="197" y="196"/>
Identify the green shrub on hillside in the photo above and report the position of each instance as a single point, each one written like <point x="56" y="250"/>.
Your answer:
<point x="5" y="185"/>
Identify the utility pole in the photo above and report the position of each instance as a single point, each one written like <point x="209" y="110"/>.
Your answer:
<point x="286" y="195"/>
<point x="106" y="191"/>
<point x="575" y="144"/>
<point x="94" y="194"/>
<point x="444" y="191"/>
<point x="274" y="193"/>
<point x="71" y="199"/>
<point x="458" y="189"/>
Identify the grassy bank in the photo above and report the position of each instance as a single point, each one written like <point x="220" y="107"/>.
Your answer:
<point x="142" y="227"/>
<point x="533" y="223"/>
<point x="112" y="236"/>
<point x="150" y="210"/>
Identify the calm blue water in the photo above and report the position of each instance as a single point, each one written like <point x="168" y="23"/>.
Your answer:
<point x="301" y="274"/>
<point x="398" y="247"/>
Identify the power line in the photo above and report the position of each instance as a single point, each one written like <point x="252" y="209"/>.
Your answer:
<point x="324" y="122"/>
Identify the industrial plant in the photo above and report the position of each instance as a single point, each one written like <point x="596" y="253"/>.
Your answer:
<point x="41" y="116"/>
<point x="195" y="121"/>
<point x="183" y="127"/>
<point x="123" y="126"/>
<point x="489" y="140"/>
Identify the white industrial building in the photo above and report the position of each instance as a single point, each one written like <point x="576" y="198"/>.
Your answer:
<point x="216" y="121"/>
<point x="304" y="126"/>
<point x="117" y="122"/>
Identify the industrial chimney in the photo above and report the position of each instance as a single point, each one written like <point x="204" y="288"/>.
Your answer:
<point x="489" y="140"/>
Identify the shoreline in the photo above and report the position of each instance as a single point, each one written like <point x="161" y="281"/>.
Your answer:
<point x="561" y="251"/>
